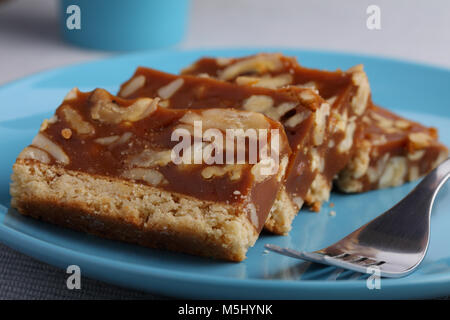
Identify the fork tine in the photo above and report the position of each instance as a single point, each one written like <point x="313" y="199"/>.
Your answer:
<point x="339" y="256"/>
<point x="283" y="251"/>
<point x="367" y="262"/>
<point x="309" y="256"/>
<point x="317" y="257"/>
<point x="351" y="257"/>
<point x="360" y="264"/>
<point x="345" y="264"/>
<point x="358" y="259"/>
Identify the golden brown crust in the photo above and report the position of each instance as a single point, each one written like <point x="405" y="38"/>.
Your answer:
<point x="120" y="210"/>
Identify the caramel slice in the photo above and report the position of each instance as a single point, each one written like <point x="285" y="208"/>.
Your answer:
<point x="131" y="170"/>
<point x="391" y="151"/>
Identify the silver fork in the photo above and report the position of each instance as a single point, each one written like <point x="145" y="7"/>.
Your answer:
<point x="395" y="242"/>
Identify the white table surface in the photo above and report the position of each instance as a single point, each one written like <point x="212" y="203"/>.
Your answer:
<point x="30" y="42"/>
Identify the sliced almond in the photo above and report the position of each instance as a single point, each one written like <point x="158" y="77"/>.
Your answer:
<point x="347" y="142"/>
<point x="76" y="122"/>
<point x="107" y="140"/>
<point x="258" y="64"/>
<point x="72" y="94"/>
<point x="419" y="140"/>
<point x="153" y="177"/>
<point x="34" y="154"/>
<point x="151" y="158"/>
<point x="320" y="123"/>
<point x="233" y="170"/>
<point x="105" y="110"/>
<point x="359" y="101"/>
<point x="44" y="143"/>
<point x="168" y="90"/>
<point x="131" y="87"/>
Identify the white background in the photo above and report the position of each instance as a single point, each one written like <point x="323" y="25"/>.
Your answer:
<point x="411" y="29"/>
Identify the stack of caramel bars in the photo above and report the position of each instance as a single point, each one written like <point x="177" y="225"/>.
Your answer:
<point x="105" y="164"/>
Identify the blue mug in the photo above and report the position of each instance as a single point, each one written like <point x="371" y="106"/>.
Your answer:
<point x="123" y="25"/>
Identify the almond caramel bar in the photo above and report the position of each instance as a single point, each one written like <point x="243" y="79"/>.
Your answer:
<point x="104" y="165"/>
<point x="348" y="93"/>
<point x="391" y="151"/>
<point x="303" y="113"/>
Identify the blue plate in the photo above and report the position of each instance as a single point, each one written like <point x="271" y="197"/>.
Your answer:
<point x="415" y="91"/>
